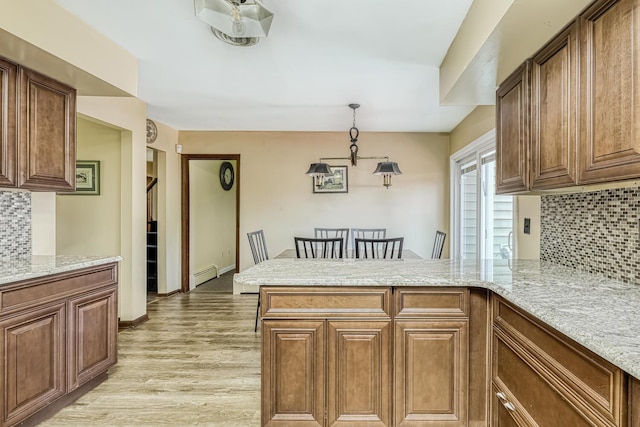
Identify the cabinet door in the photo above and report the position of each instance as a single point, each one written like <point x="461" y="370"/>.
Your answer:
<point x="359" y="373"/>
<point x="554" y="103"/>
<point x="609" y="86"/>
<point x="47" y="134"/>
<point x="93" y="334"/>
<point x="431" y="371"/>
<point x="8" y="120"/>
<point x="512" y="132"/>
<point x="293" y="372"/>
<point x="33" y="362"/>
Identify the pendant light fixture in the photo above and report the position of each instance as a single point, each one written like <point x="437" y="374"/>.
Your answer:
<point x="321" y="169"/>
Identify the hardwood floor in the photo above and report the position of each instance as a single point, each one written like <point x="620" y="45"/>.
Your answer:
<point x="195" y="362"/>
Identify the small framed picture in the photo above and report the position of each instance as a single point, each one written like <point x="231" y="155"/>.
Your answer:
<point x="88" y="177"/>
<point x="337" y="182"/>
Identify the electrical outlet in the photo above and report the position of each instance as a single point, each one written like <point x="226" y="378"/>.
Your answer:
<point x="527" y="226"/>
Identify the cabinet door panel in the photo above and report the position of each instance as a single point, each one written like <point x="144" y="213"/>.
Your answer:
<point x="609" y="83"/>
<point x="431" y="371"/>
<point x="34" y="361"/>
<point x="293" y="387"/>
<point x="512" y="132"/>
<point x="554" y="77"/>
<point x="93" y="335"/>
<point x="359" y="373"/>
<point x="47" y="129"/>
<point x="8" y="123"/>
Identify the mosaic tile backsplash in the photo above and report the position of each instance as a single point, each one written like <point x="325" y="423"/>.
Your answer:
<point x="596" y="232"/>
<point x="15" y="224"/>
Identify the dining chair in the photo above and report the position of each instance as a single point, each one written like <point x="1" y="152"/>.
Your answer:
<point x="326" y="233"/>
<point x="379" y="248"/>
<point x="309" y="247"/>
<point x="367" y="233"/>
<point x="438" y="244"/>
<point x="259" y="251"/>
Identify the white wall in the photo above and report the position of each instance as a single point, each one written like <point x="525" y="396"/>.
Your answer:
<point x="212" y="218"/>
<point x="90" y="225"/>
<point x="276" y="195"/>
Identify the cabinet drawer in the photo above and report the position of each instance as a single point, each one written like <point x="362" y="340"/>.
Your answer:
<point x="535" y="400"/>
<point x="587" y="378"/>
<point x="31" y="293"/>
<point x="279" y="302"/>
<point x="431" y="302"/>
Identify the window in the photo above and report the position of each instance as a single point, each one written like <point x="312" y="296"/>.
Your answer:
<point x="482" y="221"/>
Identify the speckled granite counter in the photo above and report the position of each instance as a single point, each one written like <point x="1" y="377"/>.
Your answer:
<point x="37" y="266"/>
<point x="599" y="313"/>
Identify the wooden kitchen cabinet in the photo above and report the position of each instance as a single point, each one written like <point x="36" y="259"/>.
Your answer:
<point x="554" y="105"/>
<point x="512" y="132"/>
<point x="58" y="338"/>
<point x="33" y="355"/>
<point x="431" y="356"/>
<point x="542" y="378"/>
<point x="355" y="356"/>
<point x="47" y="134"/>
<point x="326" y="356"/>
<point x="37" y="130"/>
<point x="8" y="123"/>
<point x="93" y="324"/>
<point x="609" y="87"/>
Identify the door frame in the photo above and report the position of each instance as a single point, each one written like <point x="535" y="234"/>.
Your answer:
<point x="185" y="213"/>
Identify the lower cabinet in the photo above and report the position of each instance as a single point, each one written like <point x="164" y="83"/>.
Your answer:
<point x="357" y="356"/>
<point x="541" y="378"/>
<point x="57" y="333"/>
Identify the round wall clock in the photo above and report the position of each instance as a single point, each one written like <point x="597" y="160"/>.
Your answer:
<point x="152" y="131"/>
<point x="226" y="176"/>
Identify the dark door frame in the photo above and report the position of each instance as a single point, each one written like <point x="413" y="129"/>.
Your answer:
<point x="185" y="210"/>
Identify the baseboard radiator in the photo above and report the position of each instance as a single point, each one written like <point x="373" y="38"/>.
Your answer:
<point x="207" y="273"/>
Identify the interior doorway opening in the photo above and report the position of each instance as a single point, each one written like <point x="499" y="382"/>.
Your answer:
<point x="210" y="216"/>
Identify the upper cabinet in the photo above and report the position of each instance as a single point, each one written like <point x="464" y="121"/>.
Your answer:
<point x="554" y="104"/>
<point x="512" y="132"/>
<point x="8" y="123"/>
<point x="609" y="85"/>
<point x="37" y="131"/>
<point x="584" y="106"/>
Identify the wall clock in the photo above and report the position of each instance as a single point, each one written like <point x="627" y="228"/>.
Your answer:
<point x="152" y="131"/>
<point x="226" y="176"/>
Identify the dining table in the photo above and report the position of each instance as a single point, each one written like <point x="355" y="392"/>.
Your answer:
<point x="349" y="253"/>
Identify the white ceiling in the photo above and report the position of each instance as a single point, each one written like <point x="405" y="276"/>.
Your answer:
<point x="319" y="57"/>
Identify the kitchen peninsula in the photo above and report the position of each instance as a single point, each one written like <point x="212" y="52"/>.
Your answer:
<point x="440" y="342"/>
<point x="59" y="325"/>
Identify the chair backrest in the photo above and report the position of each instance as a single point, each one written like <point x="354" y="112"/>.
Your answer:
<point x="309" y="247"/>
<point x="438" y="244"/>
<point x="258" y="246"/>
<point x="326" y="233"/>
<point x="367" y="233"/>
<point x="379" y="248"/>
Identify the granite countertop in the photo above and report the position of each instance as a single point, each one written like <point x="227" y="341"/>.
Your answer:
<point x="13" y="270"/>
<point x="597" y="312"/>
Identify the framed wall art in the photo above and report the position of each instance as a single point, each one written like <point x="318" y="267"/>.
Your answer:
<point x="337" y="182"/>
<point x="88" y="177"/>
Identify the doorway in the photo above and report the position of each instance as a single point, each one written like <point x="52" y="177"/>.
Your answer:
<point x="188" y="169"/>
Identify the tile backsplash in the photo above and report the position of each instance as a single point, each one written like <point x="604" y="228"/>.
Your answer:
<point x="595" y="231"/>
<point x="15" y="224"/>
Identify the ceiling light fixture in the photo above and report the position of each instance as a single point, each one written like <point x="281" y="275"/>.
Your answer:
<point x="237" y="22"/>
<point x="321" y="169"/>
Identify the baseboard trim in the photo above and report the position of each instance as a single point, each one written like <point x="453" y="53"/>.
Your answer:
<point x="226" y="269"/>
<point x="167" y="295"/>
<point x="127" y="324"/>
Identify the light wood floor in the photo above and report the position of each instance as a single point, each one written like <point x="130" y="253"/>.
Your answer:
<point x="195" y="362"/>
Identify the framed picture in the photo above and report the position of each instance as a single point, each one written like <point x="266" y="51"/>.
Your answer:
<point x="337" y="182"/>
<point x="88" y="177"/>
